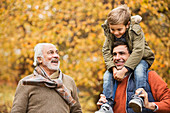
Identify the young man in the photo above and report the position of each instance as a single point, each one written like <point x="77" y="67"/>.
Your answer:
<point x="119" y="26"/>
<point x="47" y="90"/>
<point x="156" y="94"/>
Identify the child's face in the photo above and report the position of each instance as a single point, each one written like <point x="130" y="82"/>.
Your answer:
<point x="118" y="30"/>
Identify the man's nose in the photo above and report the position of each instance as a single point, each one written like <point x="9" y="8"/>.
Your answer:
<point x="56" y="55"/>
<point x="117" y="56"/>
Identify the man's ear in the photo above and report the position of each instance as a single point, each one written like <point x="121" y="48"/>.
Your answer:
<point x="39" y="60"/>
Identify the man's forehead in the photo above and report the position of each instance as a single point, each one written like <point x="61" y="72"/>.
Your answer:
<point x="49" y="48"/>
<point x="120" y="48"/>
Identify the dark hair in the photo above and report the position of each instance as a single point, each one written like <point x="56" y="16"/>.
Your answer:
<point x="118" y="43"/>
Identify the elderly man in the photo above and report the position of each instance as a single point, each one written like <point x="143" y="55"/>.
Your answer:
<point x="156" y="95"/>
<point x="47" y="90"/>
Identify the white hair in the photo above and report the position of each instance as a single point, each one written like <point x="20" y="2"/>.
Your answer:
<point x="38" y="51"/>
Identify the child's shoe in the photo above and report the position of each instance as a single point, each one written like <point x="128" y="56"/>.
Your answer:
<point x="136" y="103"/>
<point x="105" y="108"/>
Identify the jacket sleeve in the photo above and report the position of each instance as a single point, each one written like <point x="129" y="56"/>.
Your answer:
<point x="160" y="91"/>
<point x="106" y="50"/>
<point x="77" y="107"/>
<point x="20" y="100"/>
<point x="138" y="44"/>
<point x="108" y="57"/>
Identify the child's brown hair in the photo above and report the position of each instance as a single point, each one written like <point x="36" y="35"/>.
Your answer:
<point x="119" y="15"/>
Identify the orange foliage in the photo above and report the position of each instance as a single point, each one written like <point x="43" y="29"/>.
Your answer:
<point x="74" y="26"/>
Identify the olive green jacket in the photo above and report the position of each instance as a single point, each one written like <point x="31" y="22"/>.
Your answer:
<point x="136" y="42"/>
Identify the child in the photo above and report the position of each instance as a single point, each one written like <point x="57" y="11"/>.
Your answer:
<point x="120" y="26"/>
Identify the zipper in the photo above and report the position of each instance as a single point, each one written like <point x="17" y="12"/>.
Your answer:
<point x="126" y="91"/>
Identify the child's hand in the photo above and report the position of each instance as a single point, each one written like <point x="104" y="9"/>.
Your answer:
<point x="114" y="71"/>
<point x="119" y="75"/>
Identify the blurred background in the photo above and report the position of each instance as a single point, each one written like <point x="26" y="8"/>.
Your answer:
<point x="74" y="26"/>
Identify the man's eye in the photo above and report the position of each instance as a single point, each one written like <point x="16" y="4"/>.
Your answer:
<point x="50" y="52"/>
<point x="114" y="54"/>
<point x="119" y="29"/>
<point x="57" y="52"/>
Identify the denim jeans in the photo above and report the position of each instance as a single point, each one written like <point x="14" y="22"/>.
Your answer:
<point x="109" y="87"/>
<point x="108" y="84"/>
<point x="140" y="74"/>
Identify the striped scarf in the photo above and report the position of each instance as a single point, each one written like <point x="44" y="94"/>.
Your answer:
<point x="42" y="79"/>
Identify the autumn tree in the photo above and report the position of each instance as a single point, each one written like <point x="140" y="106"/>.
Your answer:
<point x="74" y="26"/>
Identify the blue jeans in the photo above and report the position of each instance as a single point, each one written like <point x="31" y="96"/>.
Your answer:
<point x="140" y="74"/>
<point x="109" y="87"/>
<point x="108" y="84"/>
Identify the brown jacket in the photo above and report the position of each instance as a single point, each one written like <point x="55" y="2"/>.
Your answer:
<point x="38" y="99"/>
<point x="136" y="42"/>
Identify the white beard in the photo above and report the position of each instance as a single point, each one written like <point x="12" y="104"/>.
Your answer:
<point x="49" y="66"/>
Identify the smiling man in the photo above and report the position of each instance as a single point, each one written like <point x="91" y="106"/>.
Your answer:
<point x="47" y="90"/>
<point x="156" y="95"/>
<point x="120" y="55"/>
